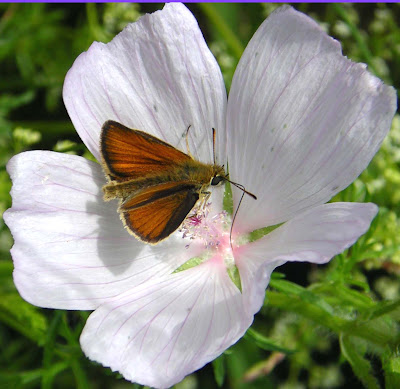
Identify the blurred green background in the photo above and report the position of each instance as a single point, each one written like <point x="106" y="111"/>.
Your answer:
<point x="332" y="326"/>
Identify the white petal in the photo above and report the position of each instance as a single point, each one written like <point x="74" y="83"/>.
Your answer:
<point x="303" y="121"/>
<point x="254" y="278"/>
<point x="163" y="330"/>
<point x="71" y="250"/>
<point x="315" y="236"/>
<point x="157" y="75"/>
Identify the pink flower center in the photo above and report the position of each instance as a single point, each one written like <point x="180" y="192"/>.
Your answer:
<point x="213" y="234"/>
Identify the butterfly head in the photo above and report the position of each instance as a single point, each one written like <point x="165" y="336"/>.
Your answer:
<point x="218" y="176"/>
<point x="216" y="180"/>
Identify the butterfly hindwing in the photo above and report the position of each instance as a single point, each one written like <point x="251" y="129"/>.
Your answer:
<point x="130" y="154"/>
<point x="153" y="213"/>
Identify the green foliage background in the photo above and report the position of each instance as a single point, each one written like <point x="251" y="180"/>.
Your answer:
<point x="332" y="326"/>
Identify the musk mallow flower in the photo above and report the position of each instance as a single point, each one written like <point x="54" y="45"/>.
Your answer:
<point x="301" y="123"/>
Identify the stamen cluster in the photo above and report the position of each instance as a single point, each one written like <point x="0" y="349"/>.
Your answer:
<point x="211" y="231"/>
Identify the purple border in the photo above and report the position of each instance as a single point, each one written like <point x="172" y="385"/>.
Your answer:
<point x="193" y="1"/>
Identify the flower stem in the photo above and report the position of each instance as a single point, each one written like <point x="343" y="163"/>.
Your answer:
<point x="229" y="36"/>
<point x="58" y="127"/>
<point x="358" y="328"/>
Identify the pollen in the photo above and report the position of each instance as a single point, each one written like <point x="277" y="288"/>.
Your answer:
<point x="210" y="231"/>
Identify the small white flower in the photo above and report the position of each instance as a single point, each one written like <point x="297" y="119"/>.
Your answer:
<point x="300" y="125"/>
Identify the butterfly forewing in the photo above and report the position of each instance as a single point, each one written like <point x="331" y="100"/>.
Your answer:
<point x="157" y="185"/>
<point x="152" y="214"/>
<point x="130" y="154"/>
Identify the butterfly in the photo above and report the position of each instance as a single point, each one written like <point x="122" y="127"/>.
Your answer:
<point x="157" y="184"/>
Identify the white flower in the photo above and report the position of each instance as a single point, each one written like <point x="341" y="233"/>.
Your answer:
<point x="300" y="125"/>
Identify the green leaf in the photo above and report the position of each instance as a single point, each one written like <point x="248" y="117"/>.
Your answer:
<point x="9" y="102"/>
<point x="23" y="317"/>
<point x="234" y="275"/>
<point x="227" y="200"/>
<point x="261" y="232"/>
<point x="306" y="295"/>
<point x="265" y="343"/>
<point x="6" y="269"/>
<point x="277" y="276"/>
<point x="48" y="352"/>
<point x="95" y="28"/>
<point x="80" y="375"/>
<point x="218" y="20"/>
<point x="340" y="294"/>
<point x="391" y="367"/>
<point x="20" y="379"/>
<point x="358" y="37"/>
<point x="385" y="308"/>
<point x="219" y="370"/>
<point x="379" y="332"/>
<point x="192" y="262"/>
<point x="360" y="365"/>
<point x="50" y="374"/>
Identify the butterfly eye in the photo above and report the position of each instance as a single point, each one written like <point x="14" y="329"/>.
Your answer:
<point x="216" y="180"/>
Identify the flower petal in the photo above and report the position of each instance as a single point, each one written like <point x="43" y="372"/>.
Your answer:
<point x="163" y="330"/>
<point x="71" y="250"/>
<point x="303" y="120"/>
<point x="315" y="236"/>
<point x="158" y="76"/>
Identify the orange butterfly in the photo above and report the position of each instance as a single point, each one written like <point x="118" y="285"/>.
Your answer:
<point x="157" y="184"/>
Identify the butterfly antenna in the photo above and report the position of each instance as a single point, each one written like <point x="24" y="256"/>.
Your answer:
<point x="213" y="130"/>
<point x="242" y="188"/>
<point x="233" y="220"/>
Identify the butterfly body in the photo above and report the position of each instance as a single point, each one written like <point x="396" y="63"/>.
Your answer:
<point x="197" y="173"/>
<point x="157" y="184"/>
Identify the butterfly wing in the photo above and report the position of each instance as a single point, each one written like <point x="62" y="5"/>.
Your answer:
<point x="130" y="154"/>
<point x="154" y="213"/>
